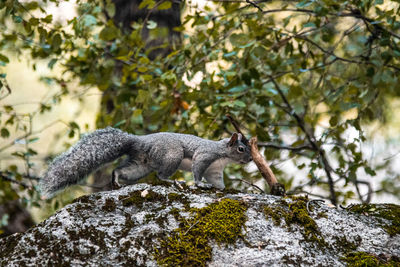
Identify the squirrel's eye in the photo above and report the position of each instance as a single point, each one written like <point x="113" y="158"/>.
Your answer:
<point x="240" y="149"/>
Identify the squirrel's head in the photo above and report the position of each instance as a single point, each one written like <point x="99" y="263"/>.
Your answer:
<point x="239" y="149"/>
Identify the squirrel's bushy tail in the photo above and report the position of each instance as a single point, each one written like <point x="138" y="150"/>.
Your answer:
<point x="91" y="152"/>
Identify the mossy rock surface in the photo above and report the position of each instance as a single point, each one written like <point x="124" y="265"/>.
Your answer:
<point x="158" y="225"/>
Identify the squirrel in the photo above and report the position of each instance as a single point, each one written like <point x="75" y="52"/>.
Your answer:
<point x="162" y="152"/>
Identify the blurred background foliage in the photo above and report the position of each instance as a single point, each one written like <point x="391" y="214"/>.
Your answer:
<point x="316" y="81"/>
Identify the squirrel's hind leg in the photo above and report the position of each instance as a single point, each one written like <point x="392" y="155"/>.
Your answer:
<point x="129" y="172"/>
<point x="167" y="160"/>
<point x="169" y="169"/>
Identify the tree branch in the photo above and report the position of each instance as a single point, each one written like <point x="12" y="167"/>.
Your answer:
<point x="311" y="139"/>
<point x="283" y="147"/>
<point x="254" y="5"/>
<point x="5" y="177"/>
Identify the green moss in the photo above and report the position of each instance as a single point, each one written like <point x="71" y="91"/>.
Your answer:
<point x="363" y="259"/>
<point x="84" y="199"/>
<point x="176" y="213"/>
<point x="276" y="214"/>
<point x="160" y="182"/>
<point x="390" y="212"/>
<point x="109" y="205"/>
<point x="174" y="196"/>
<point x="136" y="198"/>
<point x="343" y="244"/>
<point x="295" y="212"/>
<point x="299" y="215"/>
<point x="189" y="244"/>
<point x="181" y="198"/>
<point x="129" y="224"/>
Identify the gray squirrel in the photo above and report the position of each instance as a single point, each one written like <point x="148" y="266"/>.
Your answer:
<point x="162" y="152"/>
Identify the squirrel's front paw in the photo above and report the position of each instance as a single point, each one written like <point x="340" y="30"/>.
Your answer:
<point x="114" y="182"/>
<point x="115" y="185"/>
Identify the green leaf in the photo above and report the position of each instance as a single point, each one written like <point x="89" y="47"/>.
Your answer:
<point x="137" y="117"/>
<point x="110" y="9"/>
<point x="119" y="123"/>
<point x="108" y="33"/>
<point x="239" y="103"/>
<point x="304" y="4"/>
<point x="348" y="105"/>
<point x="333" y="121"/>
<point x="370" y="171"/>
<point x="230" y="54"/>
<point x="51" y="63"/>
<point x="310" y="24"/>
<point x="237" y="89"/>
<point x="89" y="20"/>
<point x="239" y="39"/>
<point x="4" y="133"/>
<point x="34" y="21"/>
<point x="143" y="96"/>
<point x="4" y="58"/>
<point x="147" y="3"/>
<point x="164" y="5"/>
<point x="33" y="140"/>
<point x="17" y="19"/>
<point x="73" y="125"/>
<point x="47" y="19"/>
<point x="56" y="42"/>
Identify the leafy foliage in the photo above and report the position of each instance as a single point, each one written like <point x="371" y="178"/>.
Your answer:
<point x="302" y="76"/>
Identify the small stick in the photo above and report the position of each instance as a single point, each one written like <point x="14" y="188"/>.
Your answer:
<point x="277" y="189"/>
<point x="244" y="181"/>
<point x="191" y="227"/>
<point x="313" y="200"/>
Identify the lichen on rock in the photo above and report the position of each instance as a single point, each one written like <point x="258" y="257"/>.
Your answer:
<point x="153" y="225"/>
<point x="363" y="259"/>
<point x="294" y="211"/>
<point x="387" y="214"/>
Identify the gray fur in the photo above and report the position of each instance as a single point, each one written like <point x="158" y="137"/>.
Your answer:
<point x="163" y="153"/>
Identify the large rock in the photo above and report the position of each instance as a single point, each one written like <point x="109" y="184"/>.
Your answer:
<point x="145" y="225"/>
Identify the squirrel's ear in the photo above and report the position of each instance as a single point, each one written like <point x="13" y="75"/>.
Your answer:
<point x="233" y="139"/>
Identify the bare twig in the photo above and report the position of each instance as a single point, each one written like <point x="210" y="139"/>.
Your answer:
<point x="5" y="177"/>
<point x="313" y="200"/>
<point x="254" y="5"/>
<point x="191" y="227"/>
<point x="369" y="193"/>
<point x="283" y="147"/>
<point x="346" y="208"/>
<point x="305" y="192"/>
<point x="30" y="133"/>
<point x="246" y="182"/>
